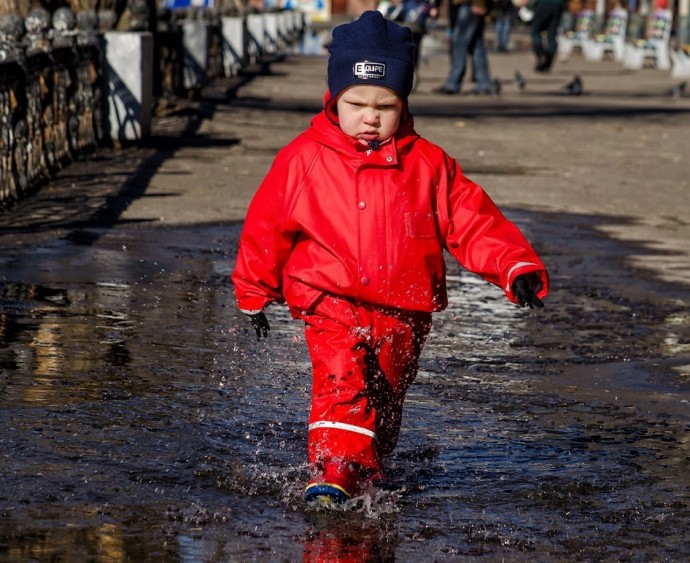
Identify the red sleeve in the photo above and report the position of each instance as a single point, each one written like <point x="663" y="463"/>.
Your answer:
<point x="480" y="237"/>
<point x="266" y="242"/>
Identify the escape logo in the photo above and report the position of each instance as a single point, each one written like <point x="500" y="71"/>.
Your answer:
<point x="367" y="70"/>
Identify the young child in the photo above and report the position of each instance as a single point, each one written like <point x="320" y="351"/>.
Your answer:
<point x="348" y="228"/>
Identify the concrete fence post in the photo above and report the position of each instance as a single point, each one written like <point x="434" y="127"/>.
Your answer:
<point x="234" y="52"/>
<point x="128" y="76"/>
<point x="271" y="34"/>
<point x="256" y="41"/>
<point x="196" y="40"/>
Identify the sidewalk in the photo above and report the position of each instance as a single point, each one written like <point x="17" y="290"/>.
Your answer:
<point x="617" y="150"/>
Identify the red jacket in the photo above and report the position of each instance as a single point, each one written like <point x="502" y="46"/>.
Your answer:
<point x="332" y="216"/>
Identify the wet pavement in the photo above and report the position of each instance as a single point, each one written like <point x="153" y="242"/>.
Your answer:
<point x="141" y="420"/>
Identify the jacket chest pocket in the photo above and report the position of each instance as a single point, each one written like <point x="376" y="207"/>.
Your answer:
<point x="420" y="224"/>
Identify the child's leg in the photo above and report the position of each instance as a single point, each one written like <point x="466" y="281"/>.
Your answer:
<point x="342" y="423"/>
<point x="364" y="360"/>
<point x="399" y="338"/>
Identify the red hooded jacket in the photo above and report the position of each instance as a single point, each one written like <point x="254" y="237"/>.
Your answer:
<point x="332" y="216"/>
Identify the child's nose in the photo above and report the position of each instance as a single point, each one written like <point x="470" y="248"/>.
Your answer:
<point x="371" y="115"/>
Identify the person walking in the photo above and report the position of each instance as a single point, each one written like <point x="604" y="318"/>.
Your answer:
<point x="468" y="19"/>
<point x="349" y="228"/>
<point x="547" y="18"/>
<point x="506" y="14"/>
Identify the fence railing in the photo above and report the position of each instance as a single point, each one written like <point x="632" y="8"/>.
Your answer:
<point x="69" y="82"/>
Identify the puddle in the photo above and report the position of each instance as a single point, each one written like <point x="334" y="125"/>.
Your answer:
<point x="142" y="420"/>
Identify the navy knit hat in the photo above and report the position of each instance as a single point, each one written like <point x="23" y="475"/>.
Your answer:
<point x="371" y="50"/>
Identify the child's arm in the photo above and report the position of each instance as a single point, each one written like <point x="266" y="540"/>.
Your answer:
<point x="480" y="237"/>
<point x="264" y="248"/>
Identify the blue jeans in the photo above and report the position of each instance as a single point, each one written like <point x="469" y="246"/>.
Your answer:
<point x="468" y="39"/>
<point x="504" y="26"/>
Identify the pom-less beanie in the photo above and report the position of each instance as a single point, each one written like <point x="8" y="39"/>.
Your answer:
<point x="371" y="50"/>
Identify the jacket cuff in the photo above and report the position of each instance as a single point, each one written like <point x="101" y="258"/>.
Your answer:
<point x="251" y="311"/>
<point x="252" y="304"/>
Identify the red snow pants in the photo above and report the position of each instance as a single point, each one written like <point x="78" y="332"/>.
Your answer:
<point x="364" y="359"/>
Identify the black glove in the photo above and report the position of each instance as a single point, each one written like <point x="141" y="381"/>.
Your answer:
<point x="260" y="324"/>
<point x="524" y="291"/>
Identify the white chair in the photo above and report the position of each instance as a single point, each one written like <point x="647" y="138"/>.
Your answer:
<point x="680" y="60"/>
<point x="611" y="42"/>
<point x="569" y="41"/>
<point x="654" y="49"/>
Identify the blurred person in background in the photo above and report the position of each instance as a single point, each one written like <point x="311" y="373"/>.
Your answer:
<point x="506" y="14"/>
<point x="547" y="17"/>
<point x="468" y="18"/>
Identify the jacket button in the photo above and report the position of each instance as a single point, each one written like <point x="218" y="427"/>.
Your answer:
<point x="364" y="280"/>
<point x="389" y="158"/>
<point x="362" y="205"/>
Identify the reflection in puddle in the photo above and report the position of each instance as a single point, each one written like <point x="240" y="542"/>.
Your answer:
<point x="55" y="338"/>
